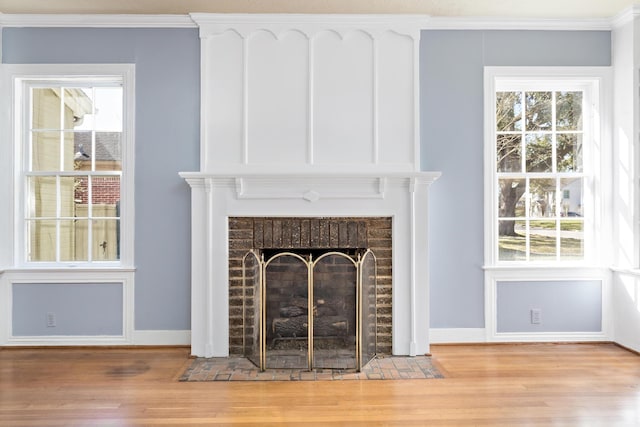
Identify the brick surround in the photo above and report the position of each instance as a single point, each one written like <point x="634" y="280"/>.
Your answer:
<point x="375" y="233"/>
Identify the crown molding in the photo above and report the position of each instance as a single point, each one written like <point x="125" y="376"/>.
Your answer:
<point x="309" y="24"/>
<point x="310" y="18"/>
<point x="626" y="16"/>
<point x="196" y="20"/>
<point x="479" y="23"/>
<point x="96" y="21"/>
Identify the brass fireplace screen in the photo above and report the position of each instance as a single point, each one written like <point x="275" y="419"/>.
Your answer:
<point x="331" y="293"/>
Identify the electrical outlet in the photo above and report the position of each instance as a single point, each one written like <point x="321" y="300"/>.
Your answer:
<point x="535" y="316"/>
<point x="51" y="320"/>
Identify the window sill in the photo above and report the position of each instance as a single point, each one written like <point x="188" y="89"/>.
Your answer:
<point x="535" y="267"/>
<point x="61" y="269"/>
<point x="626" y="271"/>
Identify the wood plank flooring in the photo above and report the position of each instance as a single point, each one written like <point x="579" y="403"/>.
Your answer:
<point x="496" y="385"/>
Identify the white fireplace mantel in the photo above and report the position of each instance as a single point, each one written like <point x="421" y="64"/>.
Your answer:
<point x="216" y="197"/>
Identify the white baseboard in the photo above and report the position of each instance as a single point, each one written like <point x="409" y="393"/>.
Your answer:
<point x="457" y="335"/>
<point x="65" y="340"/>
<point x="550" y="337"/>
<point x="478" y="335"/>
<point x="162" y="337"/>
<point x="139" y="338"/>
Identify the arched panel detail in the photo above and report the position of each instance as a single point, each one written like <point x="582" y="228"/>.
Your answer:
<point x="343" y="103"/>
<point x="277" y="98"/>
<point x="397" y="130"/>
<point x="222" y="89"/>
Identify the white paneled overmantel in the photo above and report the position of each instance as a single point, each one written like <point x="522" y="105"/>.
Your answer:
<point x="289" y="90"/>
<point x="309" y="116"/>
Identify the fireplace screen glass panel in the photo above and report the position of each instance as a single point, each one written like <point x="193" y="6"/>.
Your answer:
<point x="334" y="312"/>
<point x="286" y="295"/>
<point x="251" y="277"/>
<point x="368" y="316"/>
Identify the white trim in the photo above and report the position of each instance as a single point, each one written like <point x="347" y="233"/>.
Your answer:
<point x="598" y="81"/>
<point x="633" y="272"/>
<point x="168" y="337"/>
<point x="456" y="335"/>
<point x="625" y="16"/>
<point x="550" y="337"/>
<point x="14" y="72"/>
<point x="559" y="271"/>
<point x="142" y="338"/>
<point x="542" y="24"/>
<point x="214" y="200"/>
<point x="479" y="335"/>
<point x="5" y="308"/>
<point x="541" y="274"/>
<point x="123" y="277"/>
<point x="66" y="340"/>
<point x="309" y="24"/>
<point x="15" y="269"/>
<point x="6" y="168"/>
<point x="195" y="20"/>
<point x="96" y="21"/>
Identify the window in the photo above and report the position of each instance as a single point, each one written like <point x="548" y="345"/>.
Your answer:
<point x="74" y="182"/>
<point x="543" y="141"/>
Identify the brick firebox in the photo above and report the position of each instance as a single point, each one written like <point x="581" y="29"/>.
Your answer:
<point x="375" y="233"/>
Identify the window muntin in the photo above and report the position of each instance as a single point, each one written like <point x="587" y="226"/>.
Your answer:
<point x="541" y="178"/>
<point x="72" y="171"/>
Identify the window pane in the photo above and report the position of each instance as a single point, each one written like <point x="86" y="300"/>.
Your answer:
<point x="68" y="161"/>
<point x="45" y="151"/>
<point x="512" y="244"/>
<point x="42" y="240"/>
<point x="81" y="196"/>
<point x="569" y="110"/>
<point x="45" y="108"/>
<point x="571" y="189"/>
<point x="73" y="240"/>
<point x="509" y="149"/>
<point x="108" y="109"/>
<point x="538" y="114"/>
<point x="108" y="151"/>
<point x="105" y="196"/>
<point x="106" y="241"/>
<point x="42" y="191"/>
<point x="511" y="198"/>
<point x="539" y="153"/>
<point x="77" y="106"/>
<point x="82" y="151"/>
<point x="508" y="111"/>
<point x="542" y="240"/>
<point x="73" y="192"/>
<point x="543" y="198"/>
<point x="571" y="239"/>
<point x="569" y="152"/>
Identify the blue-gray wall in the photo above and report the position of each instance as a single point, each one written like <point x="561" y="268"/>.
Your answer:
<point x="167" y="135"/>
<point x="167" y="131"/>
<point x="451" y="77"/>
<point x="565" y="306"/>
<point x="79" y="309"/>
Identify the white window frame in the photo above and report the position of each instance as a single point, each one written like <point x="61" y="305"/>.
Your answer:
<point x="13" y="78"/>
<point x="595" y="80"/>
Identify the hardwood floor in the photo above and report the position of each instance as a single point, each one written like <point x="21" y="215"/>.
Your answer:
<point x="510" y="385"/>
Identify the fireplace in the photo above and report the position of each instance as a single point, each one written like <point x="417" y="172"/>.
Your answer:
<point x="310" y="292"/>
<point x="309" y="123"/>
